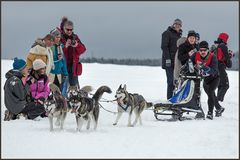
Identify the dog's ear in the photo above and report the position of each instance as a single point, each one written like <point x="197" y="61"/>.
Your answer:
<point x="125" y="87"/>
<point x="120" y="87"/>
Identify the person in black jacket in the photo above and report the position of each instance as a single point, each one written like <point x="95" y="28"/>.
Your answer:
<point x="188" y="48"/>
<point x="17" y="97"/>
<point x="207" y="63"/>
<point x="169" y="48"/>
<point x="224" y="61"/>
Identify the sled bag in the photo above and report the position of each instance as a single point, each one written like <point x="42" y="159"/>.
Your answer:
<point x="79" y="69"/>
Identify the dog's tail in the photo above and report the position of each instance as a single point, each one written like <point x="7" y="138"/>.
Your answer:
<point x="87" y="89"/>
<point x="54" y="88"/>
<point x="98" y="94"/>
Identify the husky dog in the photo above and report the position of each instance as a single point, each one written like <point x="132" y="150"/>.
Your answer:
<point x="74" y="92"/>
<point x="56" y="106"/>
<point x="128" y="102"/>
<point x="87" y="108"/>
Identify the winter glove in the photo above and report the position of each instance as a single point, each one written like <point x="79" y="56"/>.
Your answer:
<point x="231" y="54"/>
<point x="205" y="71"/>
<point x="168" y="62"/>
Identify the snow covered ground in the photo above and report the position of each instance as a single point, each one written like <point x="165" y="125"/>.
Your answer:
<point x="218" y="138"/>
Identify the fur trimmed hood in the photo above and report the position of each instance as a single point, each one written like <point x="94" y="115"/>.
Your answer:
<point x="181" y="41"/>
<point x="39" y="48"/>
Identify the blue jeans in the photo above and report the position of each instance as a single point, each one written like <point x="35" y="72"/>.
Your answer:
<point x="65" y="87"/>
<point x="170" y="83"/>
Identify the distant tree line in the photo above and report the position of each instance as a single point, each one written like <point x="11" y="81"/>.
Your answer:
<point x="140" y="62"/>
<point x="144" y="62"/>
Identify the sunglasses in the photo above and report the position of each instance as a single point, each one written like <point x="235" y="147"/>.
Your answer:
<point x="69" y="29"/>
<point x="202" y="50"/>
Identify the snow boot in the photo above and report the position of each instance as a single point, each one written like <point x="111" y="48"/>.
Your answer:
<point x="210" y="115"/>
<point x="219" y="112"/>
<point x="199" y="116"/>
<point x="8" y="115"/>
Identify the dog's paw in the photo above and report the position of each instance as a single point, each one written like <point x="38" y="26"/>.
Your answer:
<point x="114" y="124"/>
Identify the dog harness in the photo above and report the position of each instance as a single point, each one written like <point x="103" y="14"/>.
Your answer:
<point x="126" y="103"/>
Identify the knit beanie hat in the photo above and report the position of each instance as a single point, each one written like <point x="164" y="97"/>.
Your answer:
<point x="19" y="64"/>
<point x="224" y="37"/>
<point x="55" y="32"/>
<point x="38" y="64"/>
<point x="191" y="33"/>
<point x="177" y="21"/>
<point x="203" y="44"/>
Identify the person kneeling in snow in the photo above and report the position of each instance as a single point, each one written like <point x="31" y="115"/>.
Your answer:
<point x="207" y="63"/>
<point x="38" y="82"/>
<point x="16" y="93"/>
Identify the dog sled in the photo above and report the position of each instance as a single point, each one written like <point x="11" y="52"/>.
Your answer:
<point x="186" y="97"/>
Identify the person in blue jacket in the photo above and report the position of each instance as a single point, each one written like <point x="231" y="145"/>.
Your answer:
<point x="58" y="74"/>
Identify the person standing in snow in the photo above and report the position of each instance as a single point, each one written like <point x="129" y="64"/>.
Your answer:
<point x="188" y="48"/>
<point x="207" y="63"/>
<point x="17" y="97"/>
<point x="224" y="61"/>
<point x="72" y="49"/>
<point x="59" y="73"/>
<point x="169" y="48"/>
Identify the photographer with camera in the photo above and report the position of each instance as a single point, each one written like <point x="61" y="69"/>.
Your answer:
<point x="206" y="62"/>
<point x="73" y="48"/>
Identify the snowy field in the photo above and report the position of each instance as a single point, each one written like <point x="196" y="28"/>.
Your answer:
<point x="218" y="138"/>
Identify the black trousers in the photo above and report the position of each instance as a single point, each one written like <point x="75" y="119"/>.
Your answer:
<point x="73" y="80"/>
<point x="33" y="110"/>
<point x="224" y="82"/>
<point x="209" y="88"/>
<point x="170" y="85"/>
<point x="57" y="83"/>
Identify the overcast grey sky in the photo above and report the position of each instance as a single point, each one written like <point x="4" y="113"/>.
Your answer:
<point x="116" y="29"/>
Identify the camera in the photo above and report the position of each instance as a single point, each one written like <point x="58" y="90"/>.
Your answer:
<point x="73" y="42"/>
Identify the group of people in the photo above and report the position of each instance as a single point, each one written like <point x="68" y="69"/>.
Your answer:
<point x="213" y="61"/>
<point x="52" y="59"/>
<point x="55" y="59"/>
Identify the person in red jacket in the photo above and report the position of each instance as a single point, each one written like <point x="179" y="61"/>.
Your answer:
<point x="73" y="48"/>
<point x="207" y="63"/>
<point x="224" y="61"/>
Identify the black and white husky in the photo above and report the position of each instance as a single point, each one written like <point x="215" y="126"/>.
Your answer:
<point x="56" y="106"/>
<point x="86" y="108"/>
<point x="128" y="102"/>
<point x="74" y="92"/>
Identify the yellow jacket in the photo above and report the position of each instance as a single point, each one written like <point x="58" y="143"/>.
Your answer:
<point x="39" y="51"/>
